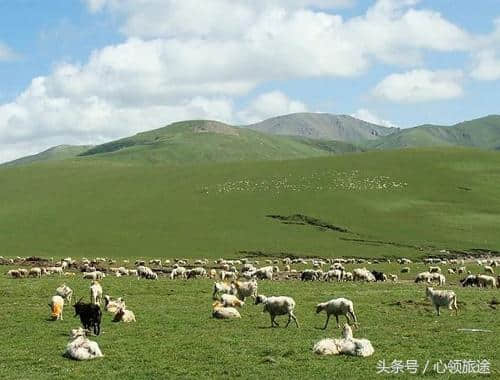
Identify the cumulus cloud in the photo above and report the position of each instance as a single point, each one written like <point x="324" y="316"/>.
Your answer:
<point x="370" y="117"/>
<point x="270" y="104"/>
<point x="486" y="57"/>
<point x="420" y="86"/>
<point x="193" y="59"/>
<point x="6" y="53"/>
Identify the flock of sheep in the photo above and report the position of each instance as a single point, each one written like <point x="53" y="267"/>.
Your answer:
<point x="237" y="281"/>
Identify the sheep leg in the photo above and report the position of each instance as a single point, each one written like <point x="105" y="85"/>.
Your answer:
<point x="294" y="319"/>
<point x="437" y="309"/>
<point x="353" y="318"/>
<point x="289" y="319"/>
<point x="337" y="318"/>
<point x="273" y="322"/>
<point x="326" y="323"/>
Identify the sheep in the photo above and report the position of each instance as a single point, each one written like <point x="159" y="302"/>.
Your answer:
<point x="221" y="312"/>
<point x="96" y="275"/>
<point x="24" y="272"/>
<point x="451" y="271"/>
<point x="223" y="288"/>
<point x="14" y="273"/>
<point x="112" y="305"/>
<point x="245" y="289"/>
<point x="81" y="348"/>
<point x="488" y="269"/>
<point x="155" y="262"/>
<point x="348" y="276"/>
<point x="434" y="269"/>
<point x="439" y="278"/>
<point x="333" y="274"/>
<point x="90" y="315"/>
<point x="65" y="292"/>
<point x="405" y="270"/>
<point x="485" y="281"/>
<point x="337" y="306"/>
<point x="178" y="272"/>
<point x="470" y="280"/>
<point x="347" y="345"/>
<point x="35" y="272"/>
<point x="363" y="274"/>
<point x="95" y="293"/>
<point x="461" y="270"/>
<point x="124" y="315"/>
<point x="308" y="275"/>
<point x="146" y="272"/>
<point x="423" y="276"/>
<point x="56" y="307"/>
<point x="225" y="275"/>
<point x="123" y="271"/>
<point x="231" y="300"/>
<point x="278" y="305"/>
<point x="440" y="298"/>
<point x="379" y="276"/>
<point x="57" y="270"/>
<point x="264" y="273"/>
<point x="196" y="272"/>
<point x="393" y="277"/>
<point x="212" y="274"/>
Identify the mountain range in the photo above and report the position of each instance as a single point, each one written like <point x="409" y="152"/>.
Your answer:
<point x="299" y="135"/>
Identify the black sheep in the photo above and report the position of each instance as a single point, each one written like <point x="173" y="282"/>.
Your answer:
<point x="90" y="315"/>
<point x="379" y="276"/>
<point x="470" y="280"/>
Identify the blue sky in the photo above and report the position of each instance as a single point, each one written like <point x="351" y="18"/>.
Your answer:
<point x="87" y="71"/>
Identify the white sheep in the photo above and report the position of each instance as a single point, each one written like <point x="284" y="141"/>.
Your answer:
<point x="35" y="272"/>
<point x="485" y="281"/>
<point x="363" y="274"/>
<point x="434" y="269"/>
<point x="231" y="300"/>
<point x="226" y="275"/>
<point x="14" y="273"/>
<point x="337" y="306"/>
<point x="221" y="312"/>
<point x="56" y="307"/>
<point x="95" y="275"/>
<point x="440" y="298"/>
<point x="178" y="272"/>
<point x="95" y="293"/>
<point x="65" y="292"/>
<point x="112" y="305"/>
<point x="124" y="315"/>
<point x="223" y="288"/>
<point x="347" y="345"/>
<point x="245" y="289"/>
<point x="278" y="305"/>
<point x="393" y="277"/>
<point x="81" y="348"/>
<point x="488" y="269"/>
<point x="336" y="274"/>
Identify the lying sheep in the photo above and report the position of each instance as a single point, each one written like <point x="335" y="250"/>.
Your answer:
<point x="280" y="305"/>
<point x="440" y="298"/>
<point x="96" y="275"/>
<point x="485" y="281"/>
<point x="434" y="269"/>
<point x="56" y="308"/>
<point x="221" y="312"/>
<point x="264" y="273"/>
<point x="223" y="288"/>
<point x="124" y="315"/>
<point x="231" y="300"/>
<point x="65" y="292"/>
<point x="81" y="348"/>
<point x="337" y="306"/>
<point x="95" y="293"/>
<point x="347" y="345"/>
<point x="111" y="305"/>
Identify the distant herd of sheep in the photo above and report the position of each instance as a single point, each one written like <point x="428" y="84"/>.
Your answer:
<point x="229" y="296"/>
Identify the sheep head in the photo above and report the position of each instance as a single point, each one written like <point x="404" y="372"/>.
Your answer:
<point x="260" y="299"/>
<point x="320" y="307"/>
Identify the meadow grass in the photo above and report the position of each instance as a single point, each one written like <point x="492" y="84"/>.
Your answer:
<point x="175" y="336"/>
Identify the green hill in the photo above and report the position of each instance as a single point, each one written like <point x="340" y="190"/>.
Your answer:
<point x="390" y="203"/>
<point x="481" y="133"/>
<point x="56" y="153"/>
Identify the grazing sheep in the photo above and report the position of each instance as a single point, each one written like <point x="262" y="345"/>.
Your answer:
<point x="56" y="308"/>
<point x="347" y="345"/>
<point x="221" y="312"/>
<point x="146" y="272"/>
<point x="393" y="277"/>
<point x="485" y="281"/>
<point x="440" y="298"/>
<point x="113" y="305"/>
<point x="405" y="270"/>
<point x="225" y="275"/>
<point x="424" y="276"/>
<point x="14" y="273"/>
<point x="90" y="315"/>
<point x="231" y="300"/>
<point x="309" y="275"/>
<point x="363" y="274"/>
<point x="337" y="306"/>
<point x="336" y="274"/>
<point x="348" y="276"/>
<point x="24" y="272"/>
<point x="264" y="273"/>
<point x="488" y="269"/>
<point x="95" y="293"/>
<point x="95" y="275"/>
<point x="470" y="280"/>
<point x="278" y="305"/>
<point x="379" y="276"/>
<point x="223" y="288"/>
<point x="81" y="348"/>
<point x="124" y="315"/>
<point x="65" y="292"/>
<point x="434" y="269"/>
<point x="439" y="278"/>
<point x="178" y="272"/>
<point x="35" y="272"/>
<point x="245" y="289"/>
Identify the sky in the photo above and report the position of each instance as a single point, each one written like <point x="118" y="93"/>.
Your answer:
<point x="90" y="71"/>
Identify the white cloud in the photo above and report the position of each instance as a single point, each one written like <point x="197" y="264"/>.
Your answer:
<point x="420" y="86"/>
<point x="193" y="59"/>
<point x="270" y="104"/>
<point x="6" y="53"/>
<point x="370" y="117"/>
<point x="486" y="58"/>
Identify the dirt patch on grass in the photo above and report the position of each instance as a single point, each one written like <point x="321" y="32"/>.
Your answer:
<point x="304" y="220"/>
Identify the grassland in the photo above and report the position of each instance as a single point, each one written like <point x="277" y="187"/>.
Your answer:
<point x="393" y="203"/>
<point x="175" y="335"/>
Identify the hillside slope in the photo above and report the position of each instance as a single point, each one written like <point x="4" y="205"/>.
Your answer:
<point x="323" y="126"/>
<point x="56" y="153"/>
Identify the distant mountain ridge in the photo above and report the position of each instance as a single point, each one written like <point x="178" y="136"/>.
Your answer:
<point x="323" y="126"/>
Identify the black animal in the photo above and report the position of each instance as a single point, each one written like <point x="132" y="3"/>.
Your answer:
<point x="90" y="315"/>
<point x="379" y="276"/>
<point x="470" y="280"/>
